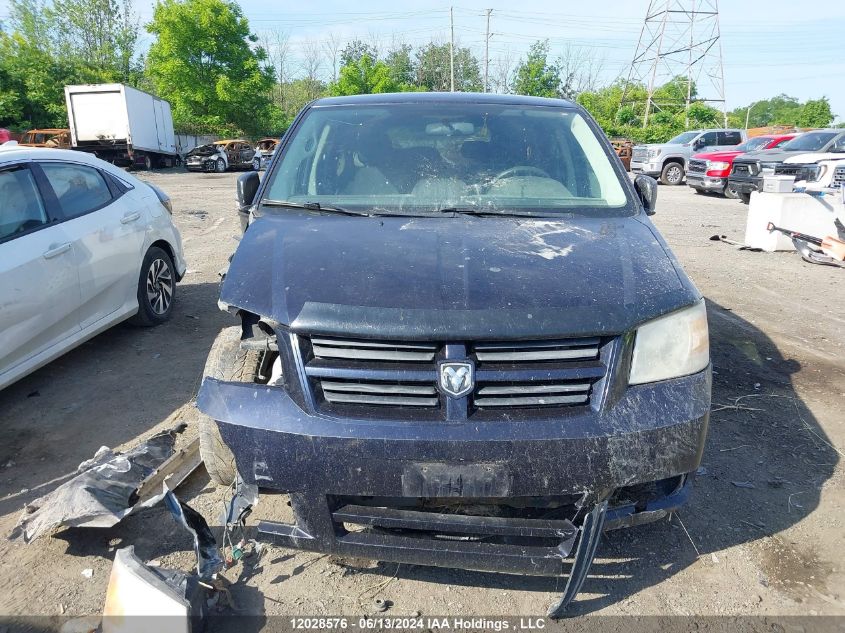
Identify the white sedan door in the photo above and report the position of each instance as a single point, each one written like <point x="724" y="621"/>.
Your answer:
<point x="39" y="286"/>
<point x="107" y="225"/>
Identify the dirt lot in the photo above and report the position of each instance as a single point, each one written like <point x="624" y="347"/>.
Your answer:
<point x="771" y="545"/>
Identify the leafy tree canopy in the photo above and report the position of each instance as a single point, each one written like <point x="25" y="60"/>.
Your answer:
<point x="536" y="76"/>
<point x="202" y="62"/>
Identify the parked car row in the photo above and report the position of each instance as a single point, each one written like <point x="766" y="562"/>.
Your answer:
<point x="725" y="162"/>
<point x="748" y="170"/>
<point x="221" y="156"/>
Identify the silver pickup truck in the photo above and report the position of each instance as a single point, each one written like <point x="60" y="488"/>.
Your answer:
<point x="668" y="161"/>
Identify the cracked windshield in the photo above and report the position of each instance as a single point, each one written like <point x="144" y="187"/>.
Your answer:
<point x="418" y="158"/>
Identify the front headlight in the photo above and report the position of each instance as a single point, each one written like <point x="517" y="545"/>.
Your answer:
<point x="718" y="165"/>
<point x="671" y="346"/>
<point x="653" y="153"/>
<point x="814" y="173"/>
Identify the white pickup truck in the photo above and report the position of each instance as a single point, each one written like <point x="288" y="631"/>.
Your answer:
<point x="815" y="171"/>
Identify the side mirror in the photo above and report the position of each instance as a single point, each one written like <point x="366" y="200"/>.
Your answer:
<point x="247" y="186"/>
<point x="646" y="188"/>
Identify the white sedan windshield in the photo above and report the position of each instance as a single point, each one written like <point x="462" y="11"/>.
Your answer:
<point x="423" y="158"/>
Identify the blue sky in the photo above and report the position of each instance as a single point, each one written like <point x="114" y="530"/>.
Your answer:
<point x="768" y="46"/>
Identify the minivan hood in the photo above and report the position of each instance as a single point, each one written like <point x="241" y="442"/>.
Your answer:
<point x="454" y="278"/>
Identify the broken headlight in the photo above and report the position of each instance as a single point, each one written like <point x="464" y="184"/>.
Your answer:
<point x="671" y="346"/>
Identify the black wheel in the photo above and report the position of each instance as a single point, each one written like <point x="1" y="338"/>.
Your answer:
<point x="730" y="192"/>
<point x="226" y="361"/>
<point x="220" y="165"/>
<point x="745" y="197"/>
<point x="256" y="164"/>
<point x="156" y="289"/>
<point x="147" y="162"/>
<point x="672" y="174"/>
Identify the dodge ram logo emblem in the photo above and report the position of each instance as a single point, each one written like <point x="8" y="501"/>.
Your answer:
<point x="457" y="379"/>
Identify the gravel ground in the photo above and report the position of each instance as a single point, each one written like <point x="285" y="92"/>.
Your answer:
<point x="772" y="546"/>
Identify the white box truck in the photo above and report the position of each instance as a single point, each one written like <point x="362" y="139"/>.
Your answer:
<point x="121" y="124"/>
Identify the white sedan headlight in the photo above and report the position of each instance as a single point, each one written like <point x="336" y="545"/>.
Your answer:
<point x="671" y="346"/>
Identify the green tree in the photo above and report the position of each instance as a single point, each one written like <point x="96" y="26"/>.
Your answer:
<point x="364" y="77"/>
<point x="100" y="36"/>
<point x="203" y="63"/>
<point x="32" y="77"/>
<point x="816" y="113"/>
<point x="536" y="76"/>
<point x="433" y="71"/>
<point x="779" y="110"/>
<point x="401" y="66"/>
<point x="355" y="50"/>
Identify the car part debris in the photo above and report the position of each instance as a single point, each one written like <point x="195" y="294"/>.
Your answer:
<point x="205" y="545"/>
<point x="102" y="494"/>
<point x="178" y="600"/>
<point x="244" y="499"/>
<point x="591" y="532"/>
<point x="175" y="470"/>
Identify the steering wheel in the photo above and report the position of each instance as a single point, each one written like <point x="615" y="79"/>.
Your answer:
<point x="520" y="170"/>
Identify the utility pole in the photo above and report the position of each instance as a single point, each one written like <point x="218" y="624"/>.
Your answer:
<point x="452" y="51"/>
<point x="487" y="49"/>
<point x="679" y="38"/>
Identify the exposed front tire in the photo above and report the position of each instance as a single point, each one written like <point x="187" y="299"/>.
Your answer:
<point x="730" y="193"/>
<point x="156" y="289"/>
<point x="219" y="165"/>
<point x="672" y="174"/>
<point x="226" y="361"/>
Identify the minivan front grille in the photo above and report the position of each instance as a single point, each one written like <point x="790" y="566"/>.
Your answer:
<point x="532" y="394"/>
<point x="516" y="352"/>
<point x="383" y="378"/>
<point x="372" y="350"/>
<point x="379" y="393"/>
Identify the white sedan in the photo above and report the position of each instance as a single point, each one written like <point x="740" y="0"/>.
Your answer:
<point x="83" y="246"/>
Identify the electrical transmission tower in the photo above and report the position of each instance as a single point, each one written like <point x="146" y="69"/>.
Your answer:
<point x="679" y="39"/>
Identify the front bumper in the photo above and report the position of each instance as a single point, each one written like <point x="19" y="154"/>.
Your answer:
<point x="708" y="183"/>
<point x="652" y="433"/>
<point x="645" y="167"/>
<point x="747" y="184"/>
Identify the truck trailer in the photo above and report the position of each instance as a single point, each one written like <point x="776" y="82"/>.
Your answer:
<point x="122" y="125"/>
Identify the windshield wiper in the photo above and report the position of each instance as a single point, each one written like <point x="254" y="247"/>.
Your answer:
<point x="489" y="212"/>
<point x="311" y="206"/>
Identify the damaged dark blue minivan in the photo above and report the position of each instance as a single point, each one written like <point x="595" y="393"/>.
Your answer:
<point x="462" y="341"/>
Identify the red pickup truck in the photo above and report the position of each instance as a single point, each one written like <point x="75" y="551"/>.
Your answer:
<point x="709" y="171"/>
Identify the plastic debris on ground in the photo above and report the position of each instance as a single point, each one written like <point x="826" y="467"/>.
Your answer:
<point x="176" y="600"/>
<point x="102" y="494"/>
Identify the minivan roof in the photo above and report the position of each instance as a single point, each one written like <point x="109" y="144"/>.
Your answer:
<point x="442" y="97"/>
